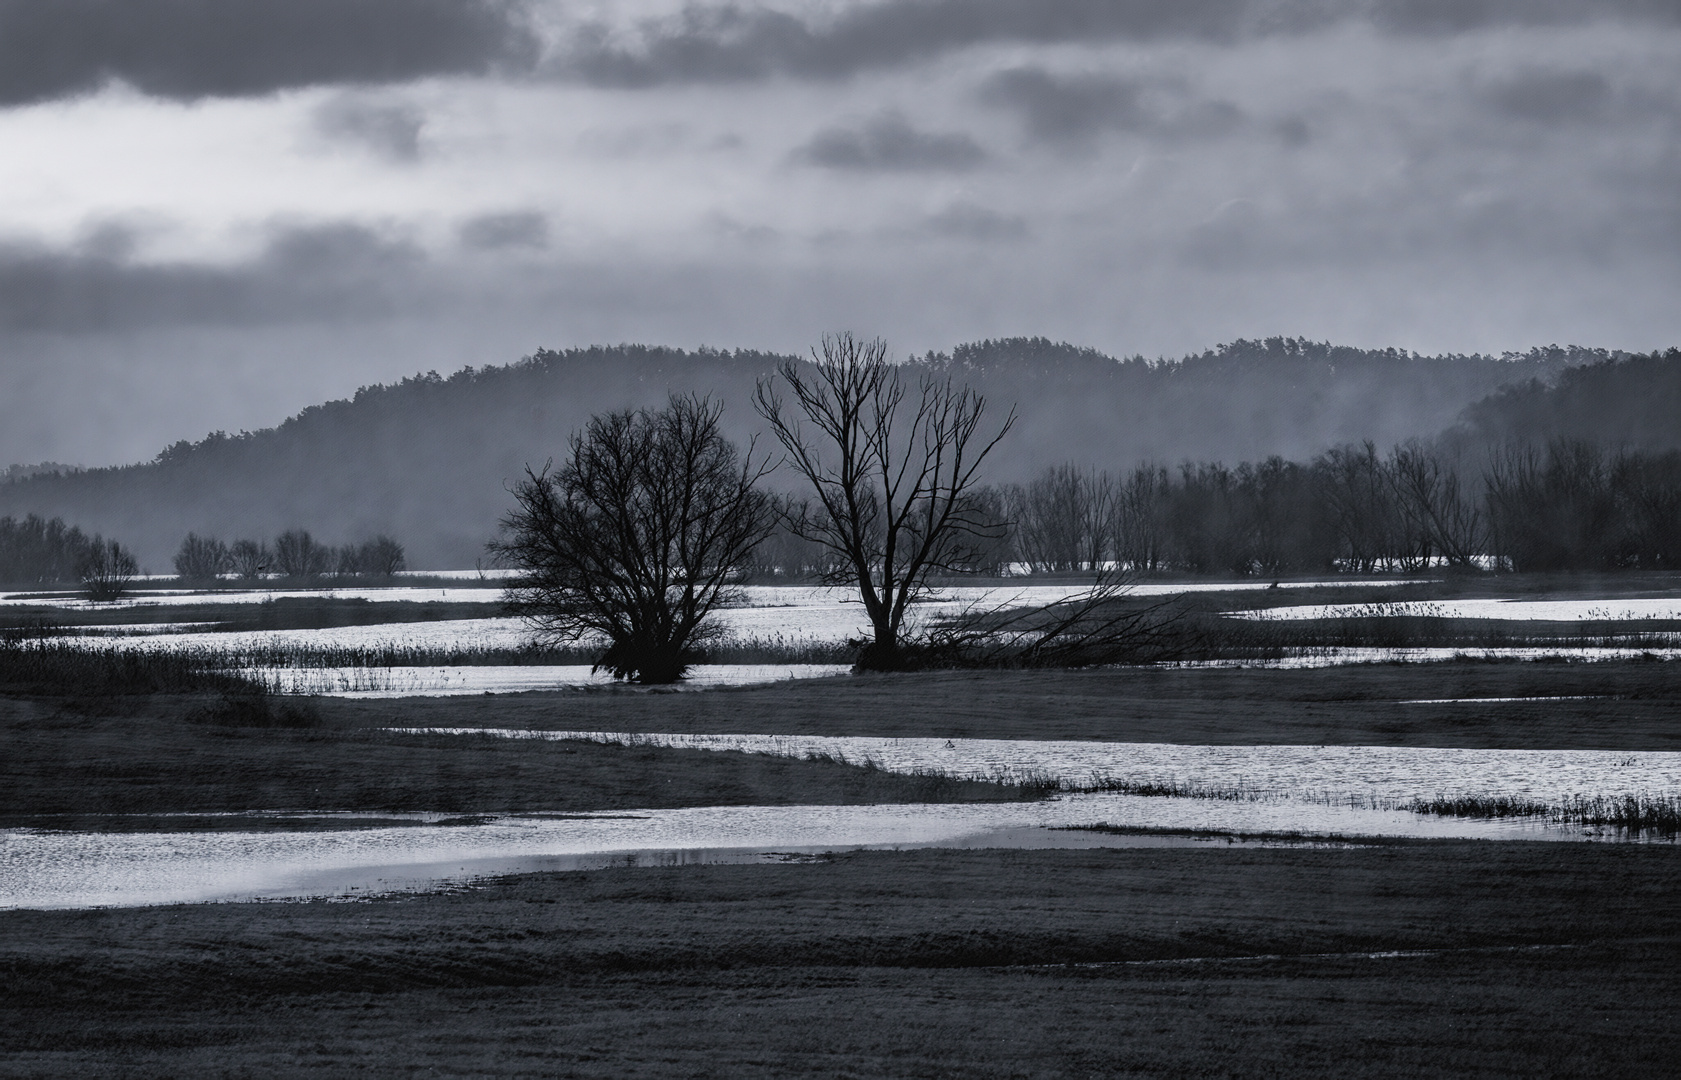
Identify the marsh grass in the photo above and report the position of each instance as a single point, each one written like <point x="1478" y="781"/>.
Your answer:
<point x="1641" y="812"/>
<point x="33" y="665"/>
<point x="303" y="655"/>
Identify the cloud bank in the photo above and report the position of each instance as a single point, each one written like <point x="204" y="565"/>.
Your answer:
<point x="191" y="49"/>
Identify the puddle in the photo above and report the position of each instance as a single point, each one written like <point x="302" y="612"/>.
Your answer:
<point x="50" y="869"/>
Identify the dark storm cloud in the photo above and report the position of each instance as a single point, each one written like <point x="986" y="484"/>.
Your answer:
<point x="189" y="49"/>
<point x="1551" y="97"/>
<point x="738" y="43"/>
<point x="391" y="131"/>
<point x="888" y="143"/>
<point x="304" y="274"/>
<point x="1461" y="16"/>
<point x="732" y="43"/>
<point x="514" y="229"/>
<point x="1073" y="109"/>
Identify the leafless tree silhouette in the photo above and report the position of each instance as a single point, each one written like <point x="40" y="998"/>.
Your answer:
<point x="894" y="471"/>
<point x="637" y="537"/>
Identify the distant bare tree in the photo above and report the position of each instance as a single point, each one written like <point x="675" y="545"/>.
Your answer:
<point x="249" y="559"/>
<point x="106" y="570"/>
<point x="892" y="471"/>
<point x="1063" y="519"/>
<point x="381" y="557"/>
<point x="637" y="537"/>
<point x="297" y="554"/>
<point x="1355" y="486"/>
<point x="1435" y="505"/>
<point x="1648" y="489"/>
<point x="1556" y="511"/>
<point x="201" y="558"/>
<point x="1140" y="526"/>
<point x="346" y="560"/>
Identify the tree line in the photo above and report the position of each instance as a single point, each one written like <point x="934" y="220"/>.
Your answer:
<point x="293" y="554"/>
<point x="1573" y="505"/>
<point x="42" y="551"/>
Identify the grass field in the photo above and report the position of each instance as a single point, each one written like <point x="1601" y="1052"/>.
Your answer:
<point x="1515" y="960"/>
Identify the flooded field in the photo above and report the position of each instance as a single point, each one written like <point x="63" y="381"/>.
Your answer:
<point x="1337" y="655"/>
<point x="754" y="596"/>
<point x="45" y="869"/>
<point x="1636" y="609"/>
<point x="1362" y="774"/>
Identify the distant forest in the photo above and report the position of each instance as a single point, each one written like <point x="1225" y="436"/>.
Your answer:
<point x="430" y="458"/>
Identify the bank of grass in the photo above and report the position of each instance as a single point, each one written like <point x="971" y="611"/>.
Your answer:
<point x="1611" y="705"/>
<point x="1406" y="959"/>
<point x="216" y="752"/>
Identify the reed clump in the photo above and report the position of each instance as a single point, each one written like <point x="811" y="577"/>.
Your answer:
<point x="1639" y="812"/>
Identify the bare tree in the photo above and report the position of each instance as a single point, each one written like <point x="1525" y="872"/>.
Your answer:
<point x="298" y="554"/>
<point x="1355" y="487"/>
<point x="1063" y="519"/>
<point x="1435" y="506"/>
<point x="1141" y="514"/>
<point x="892" y="470"/>
<point x="249" y="559"/>
<point x="637" y="537"/>
<point x="381" y="557"/>
<point x="106" y="570"/>
<point x="201" y="558"/>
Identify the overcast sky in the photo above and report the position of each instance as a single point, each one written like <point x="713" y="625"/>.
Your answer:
<point x="215" y="212"/>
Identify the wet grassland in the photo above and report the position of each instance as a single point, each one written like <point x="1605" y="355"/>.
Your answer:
<point x="1394" y="959"/>
<point x="1379" y="958"/>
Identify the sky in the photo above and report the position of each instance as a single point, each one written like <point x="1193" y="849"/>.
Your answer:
<point x="216" y="212"/>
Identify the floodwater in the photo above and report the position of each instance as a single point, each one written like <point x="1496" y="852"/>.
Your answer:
<point x="195" y="597"/>
<point x="1366" y="774"/>
<point x="793" y="614"/>
<point x="754" y="595"/>
<point x="1641" y="608"/>
<point x="47" y="869"/>
<point x="1336" y="656"/>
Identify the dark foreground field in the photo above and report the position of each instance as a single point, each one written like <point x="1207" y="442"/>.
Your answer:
<point x="1518" y="959"/>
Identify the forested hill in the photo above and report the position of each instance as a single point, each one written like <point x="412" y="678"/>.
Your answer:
<point x="427" y="459"/>
<point x="1632" y="403"/>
